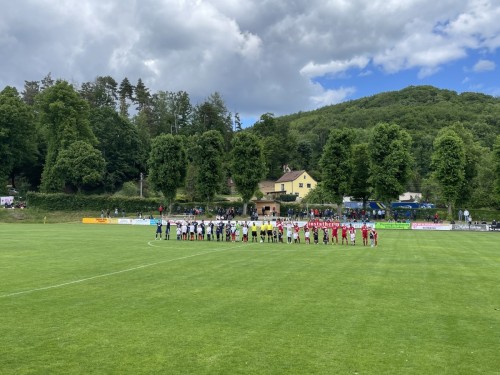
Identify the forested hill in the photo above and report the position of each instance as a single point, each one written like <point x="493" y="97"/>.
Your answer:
<point x="422" y="110"/>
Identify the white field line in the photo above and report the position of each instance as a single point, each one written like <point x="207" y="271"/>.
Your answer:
<point x="114" y="273"/>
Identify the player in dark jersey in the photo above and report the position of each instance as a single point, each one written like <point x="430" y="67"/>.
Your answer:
<point x="167" y="230"/>
<point x="159" y="224"/>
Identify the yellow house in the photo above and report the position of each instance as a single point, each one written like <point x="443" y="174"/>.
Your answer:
<point x="295" y="182"/>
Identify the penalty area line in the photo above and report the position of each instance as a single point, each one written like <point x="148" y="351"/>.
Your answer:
<point x="112" y="273"/>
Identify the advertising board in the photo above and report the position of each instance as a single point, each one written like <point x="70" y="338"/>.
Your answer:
<point x="472" y="227"/>
<point x="431" y="226"/>
<point x="382" y="225"/>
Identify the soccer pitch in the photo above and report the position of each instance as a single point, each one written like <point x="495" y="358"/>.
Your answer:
<point x="109" y="299"/>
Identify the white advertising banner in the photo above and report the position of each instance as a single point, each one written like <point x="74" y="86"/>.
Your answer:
<point x="6" y="200"/>
<point x="471" y="227"/>
<point x="431" y="226"/>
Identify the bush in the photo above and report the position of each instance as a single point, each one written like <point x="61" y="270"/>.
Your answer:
<point x="287" y="198"/>
<point x="259" y="194"/>
<point x="80" y="202"/>
<point x="129" y="189"/>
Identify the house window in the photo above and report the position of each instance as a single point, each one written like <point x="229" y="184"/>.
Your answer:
<point x="305" y="177"/>
<point x="297" y="194"/>
<point x="308" y="186"/>
<point x="301" y="185"/>
<point x="282" y="187"/>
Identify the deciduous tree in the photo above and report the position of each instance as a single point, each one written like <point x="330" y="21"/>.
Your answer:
<point x="496" y="162"/>
<point x="448" y="162"/>
<point x="120" y="146"/>
<point x="247" y="165"/>
<point x="209" y="162"/>
<point x="390" y="160"/>
<point x="167" y="165"/>
<point x="80" y="166"/>
<point x="17" y="133"/>
<point x="336" y="165"/>
<point x="64" y="118"/>
<point x="360" y="186"/>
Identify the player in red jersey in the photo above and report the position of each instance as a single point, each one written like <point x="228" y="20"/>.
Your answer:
<point x="296" y="236"/>
<point x="344" y="234"/>
<point x="335" y="234"/>
<point x="364" y="234"/>
<point x="279" y="225"/>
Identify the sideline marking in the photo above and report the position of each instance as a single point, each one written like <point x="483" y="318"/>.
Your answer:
<point x="114" y="273"/>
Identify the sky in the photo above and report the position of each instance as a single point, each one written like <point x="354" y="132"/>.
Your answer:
<point x="262" y="56"/>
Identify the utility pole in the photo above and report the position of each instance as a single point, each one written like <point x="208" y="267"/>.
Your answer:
<point x="142" y="177"/>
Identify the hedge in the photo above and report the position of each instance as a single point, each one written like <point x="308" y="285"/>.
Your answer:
<point x="79" y="202"/>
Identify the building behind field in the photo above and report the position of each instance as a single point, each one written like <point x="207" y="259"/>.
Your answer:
<point x="298" y="183"/>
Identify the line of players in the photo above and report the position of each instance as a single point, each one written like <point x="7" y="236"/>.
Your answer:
<point x="231" y="232"/>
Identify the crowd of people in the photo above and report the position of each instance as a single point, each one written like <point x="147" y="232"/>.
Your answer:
<point x="271" y="232"/>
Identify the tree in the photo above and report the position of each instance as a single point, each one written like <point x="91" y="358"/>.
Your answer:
<point x="279" y="145"/>
<point x="430" y="190"/>
<point x="182" y="110"/>
<point x="209" y="162"/>
<point x="142" y="95"/>
<point x="64" y="118"/>
<point x="472" y="156"/>
<point x="167" y="165"/>
<point x="247" y="165"/>
<point x="317" y="195"/>
<point x="126" y="95"/>
<point x="448" y="162"/>
<point x="100" y="93"/>
<point x="484" y="192"/>
<point x="80" y="166"/>
<point x="360" y="185"/>
<point x="120" y="146"/>
<point x="163" y="120"/>
<point x="265" y="126"/>
<point x="212" y="114"/>
<point x="496" y="163"/>
<point x="237" y="123"/>
<point x="304" y="154"/>
<point x="336" y="165"/>
<point x="17" y="146"/>
<point x="47" y="82"/>
<point x="31" y="90"/>
<point x="390" y="160"/>
<point x="275" y="157"/>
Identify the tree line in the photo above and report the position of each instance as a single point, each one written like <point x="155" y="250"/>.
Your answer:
<point x="99" y="136"/>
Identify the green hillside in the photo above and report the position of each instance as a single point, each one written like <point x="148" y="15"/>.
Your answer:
<point x="421" y="110"/>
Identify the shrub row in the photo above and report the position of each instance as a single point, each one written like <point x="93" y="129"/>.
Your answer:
<point x="79" y="202"/>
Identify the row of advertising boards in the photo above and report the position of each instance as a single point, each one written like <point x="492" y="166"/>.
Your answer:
<point x="377" y="225"/>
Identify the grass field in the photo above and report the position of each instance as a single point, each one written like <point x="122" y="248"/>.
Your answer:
<point x="90" y="299"/>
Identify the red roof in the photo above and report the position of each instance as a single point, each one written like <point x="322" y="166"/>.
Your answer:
<point x="290" y="176"/>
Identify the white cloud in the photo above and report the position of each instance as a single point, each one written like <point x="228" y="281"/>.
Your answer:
<point x="484" y="66"/>
<point x="428" y="71"/>
<point x="333" y="68"/>
<point x="329" y="97"/>
<point x="262" y="55"/>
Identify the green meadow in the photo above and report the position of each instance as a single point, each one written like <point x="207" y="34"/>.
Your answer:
<point x="109" y="299"/>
